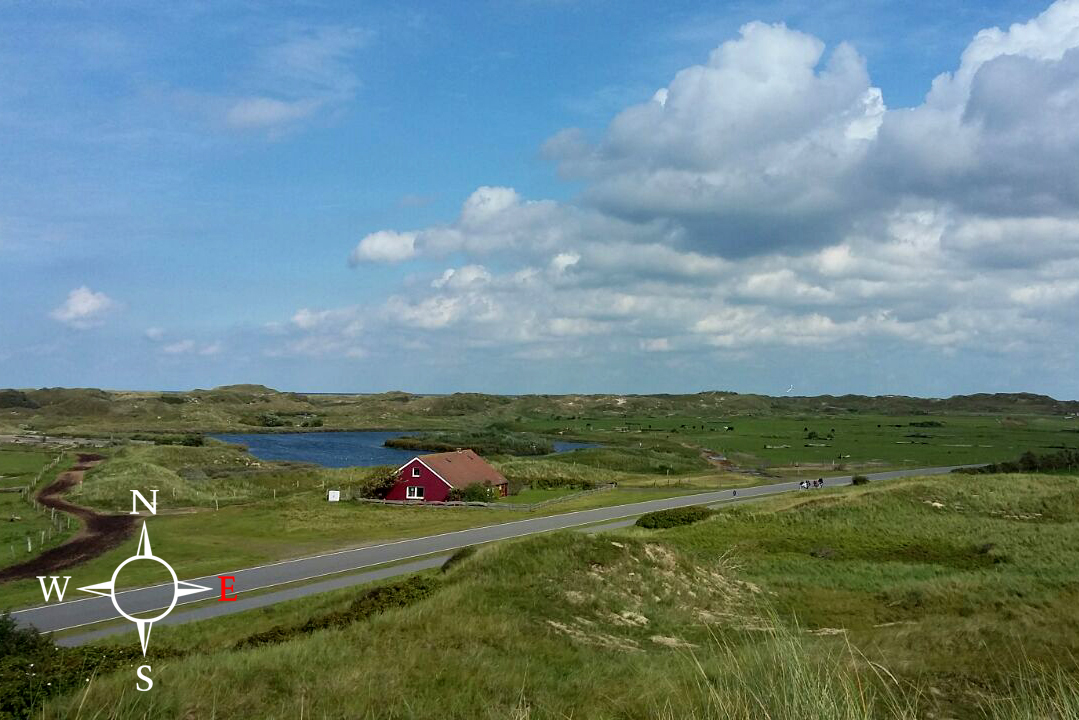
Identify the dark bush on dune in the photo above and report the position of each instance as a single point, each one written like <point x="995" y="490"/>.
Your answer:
<point x="188" y="439"/>
<point x="16" y="399"/>
<point x="673" y="517"/>
<point x="486" y="441"/>
<point x="1029" y="462"/>
<point x="859" y="480"/>
<point x="458" y="557"/>
<point x="372" y="602"/>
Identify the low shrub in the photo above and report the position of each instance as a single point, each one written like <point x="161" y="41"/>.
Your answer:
<point x="372" y="602"/>
<point x="673" y="517"/>
<point x="476" y="492"/>
<point x="379" y="483"/>
<point x="486" y="442"/>
<point x="1029" y="462"/>
<point x="188" y="439"/>
<point x="460" y="556"/>
<point x="859" y="480"/>
<point x="32" y="669"/>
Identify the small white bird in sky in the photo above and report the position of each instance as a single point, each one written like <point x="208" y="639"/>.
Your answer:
<point x="790" y="388"/>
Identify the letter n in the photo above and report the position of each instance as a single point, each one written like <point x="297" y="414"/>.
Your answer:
<point x="137" y="497"/>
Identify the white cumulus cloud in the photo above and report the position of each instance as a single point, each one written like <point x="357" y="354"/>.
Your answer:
<point x="83" y="308"/>
<point x="384" y="246"/>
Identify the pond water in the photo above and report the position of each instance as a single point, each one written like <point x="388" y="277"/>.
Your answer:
<point x="339" y="449"/>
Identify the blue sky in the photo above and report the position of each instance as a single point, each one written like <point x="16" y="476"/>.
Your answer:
<point x="530" y="196"/>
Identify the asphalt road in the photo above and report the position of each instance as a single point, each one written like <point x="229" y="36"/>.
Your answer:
<point x="142" y="601"/>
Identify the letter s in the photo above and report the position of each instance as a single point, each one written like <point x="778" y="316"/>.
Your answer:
<point x="149" y="682"/>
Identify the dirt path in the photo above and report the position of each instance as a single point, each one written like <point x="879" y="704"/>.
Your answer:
<point x="99" y="534"/>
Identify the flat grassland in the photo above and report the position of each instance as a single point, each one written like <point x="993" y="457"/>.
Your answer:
<point x="822" y="443"/>
<point x="19" y="519"/>
<point x="926" y="597"/>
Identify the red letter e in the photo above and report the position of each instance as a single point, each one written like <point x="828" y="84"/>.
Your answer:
<point x="227" y="587"/>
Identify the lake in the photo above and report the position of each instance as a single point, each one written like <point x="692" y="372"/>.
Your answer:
<point x="339" y="449"/>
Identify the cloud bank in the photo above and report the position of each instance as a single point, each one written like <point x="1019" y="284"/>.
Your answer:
<point x="769" y="198"/>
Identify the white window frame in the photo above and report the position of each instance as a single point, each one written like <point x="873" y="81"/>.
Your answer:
<point x="414" y="492"/>
<point x="415" y="471"/>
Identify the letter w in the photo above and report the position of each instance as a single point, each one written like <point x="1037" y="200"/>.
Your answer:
<point x="53" y="586"/>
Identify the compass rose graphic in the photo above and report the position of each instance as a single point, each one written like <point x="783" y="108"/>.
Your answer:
<point x="179" y="588"/>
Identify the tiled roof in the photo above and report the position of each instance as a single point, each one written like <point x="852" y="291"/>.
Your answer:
<point x="462" y="468"/>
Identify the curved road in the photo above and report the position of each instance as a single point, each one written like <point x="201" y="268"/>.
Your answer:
<point x="90" y="610"/>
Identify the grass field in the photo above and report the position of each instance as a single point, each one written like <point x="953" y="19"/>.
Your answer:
<point x="819" y="441"/>
<point x="19" y="520"/>
<point x="943" y="597"/>
<point x="529" y="495"/>
<point x="278" y="510"/>
<point x="207" y="542"/>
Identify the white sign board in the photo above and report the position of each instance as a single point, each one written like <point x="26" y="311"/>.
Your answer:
<point x="335" y="495"/>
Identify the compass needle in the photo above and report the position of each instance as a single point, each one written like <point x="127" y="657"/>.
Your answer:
<point x="185" y="588"/>
<point x="103" y="589"/>
<point x="144" y="543"/>
<point x="145" y="626"/>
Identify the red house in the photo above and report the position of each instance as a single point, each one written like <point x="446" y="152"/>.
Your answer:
<point x="431" y="477"/>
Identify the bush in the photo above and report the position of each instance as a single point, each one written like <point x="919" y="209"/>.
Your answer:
<point x="372" y="602"/>
<point x="266" y="419"/>
<point x="189" y="440"/>
<point x="379" y="483"/>
<point x="673" y="517"/>
<point x="473" y="493"/>
<point x="32" y="669"/>
<point x="859" y="480"/>
<point x="458" y="557"/>
<point x="16" y="399"/>
<point x="492" y="440"/>
<point x="1030" y="463"/>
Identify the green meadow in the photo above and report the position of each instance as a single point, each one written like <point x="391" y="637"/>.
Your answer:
<point x="201" y="540"/>
<point x="929" y="597"/>
<point x="782" y="443"/>
<point x="19" y="519"/>
<point x="943" y="597"/>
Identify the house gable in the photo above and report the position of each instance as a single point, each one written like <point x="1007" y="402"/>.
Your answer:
<point x="421" y="462"/>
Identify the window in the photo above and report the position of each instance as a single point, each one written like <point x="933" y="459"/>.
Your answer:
<point x="414" y="492"/>
<point x="415" y="471"/>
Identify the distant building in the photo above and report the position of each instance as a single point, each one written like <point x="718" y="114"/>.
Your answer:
<point x="432" y="477"/>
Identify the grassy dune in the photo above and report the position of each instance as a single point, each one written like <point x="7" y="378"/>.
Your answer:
<point x="205" y="477"/>
<point x="500" y="639"/>
<point x="945" y="597"/>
